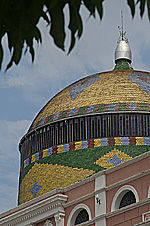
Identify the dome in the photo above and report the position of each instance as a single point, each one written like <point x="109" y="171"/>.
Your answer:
<point x="93" y="124"/>
<point x="96" y="123"/>
<point x="96" y="91"/>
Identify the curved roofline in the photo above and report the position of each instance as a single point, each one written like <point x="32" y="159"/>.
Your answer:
<point x="64" y="89"/>
<point x="105" y="72"/>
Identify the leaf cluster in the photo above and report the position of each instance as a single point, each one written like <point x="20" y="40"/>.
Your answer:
<point x="142" y="3"/>
<point x="19" y="22"/>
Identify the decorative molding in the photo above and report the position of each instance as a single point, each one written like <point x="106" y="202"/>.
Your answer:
<point x="42" y="209"/>
<point x="129" y="162"/>
<point x="127" y="180"/>
<point x="128" y="208"/>
<point x="96" y="109"/>
<point x="112" y="186"/>
<point x="90" y="143"/>
<point x="59" y="218"/>
<point x="148" y="196"/>
<point x="31" y="225"/>
<point x="48" y="223"/>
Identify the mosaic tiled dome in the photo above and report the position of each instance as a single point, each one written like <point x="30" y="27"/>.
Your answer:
<point x="107" y="91"/>
<point x="95" y="123"/>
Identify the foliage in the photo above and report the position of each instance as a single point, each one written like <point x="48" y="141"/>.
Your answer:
<point x="19" y="22"/>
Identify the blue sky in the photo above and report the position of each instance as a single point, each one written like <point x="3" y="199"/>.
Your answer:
<point x="24" y="89"/>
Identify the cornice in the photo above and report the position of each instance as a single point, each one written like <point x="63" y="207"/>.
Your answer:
<point x="40" y="210"/>
<point x="119" y="211"/>
<point x="127" y="180"/>
<point x="129" y="162"/>
<point x="128" y="208"/>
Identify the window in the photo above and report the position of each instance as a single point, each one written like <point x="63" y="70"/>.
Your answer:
<point x="52" y="135"/>
<point x="145" y="126"/>
<point x="104" y="126"/>
<point x="109" y="126"/>
<point x="44" y="138"/>
<point x="87" y="128"/>
<point x="40" y="143"/>
<point x="98" y="127"/>
<point x="132" y="125"/>
<point x="82" y="217"/>
<point x="115" y="126"/>
<point x="92" y="127"/>
<point x="81" y="129"/>
<point x="48" y="138"/>
<point x="127" y="199"/>
<point x="79" y="214"/>
<point x="61" y="133"/>
<point x="70" y="130"/>
<point x="84" y="128"/>
<point x="125" y="196"/>
<point x="66" y="131"/>
<point x="56" y="133"/>
<point x="127" y="125"/>
<point x="120" y="125"/>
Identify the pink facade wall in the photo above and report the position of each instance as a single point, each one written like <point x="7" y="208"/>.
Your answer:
<point x="89" y="202"/>
<point x="137" y="184"/>
<point x="80" y="191"/>
<point x="128" y="171"/>
<point x="128" y="218"/>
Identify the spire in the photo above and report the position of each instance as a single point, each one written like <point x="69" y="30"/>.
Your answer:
<point x="123" y="54"/>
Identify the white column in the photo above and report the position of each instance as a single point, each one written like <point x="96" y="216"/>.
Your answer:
<point x="100" y="199"/>
<point x="59" y="218"/>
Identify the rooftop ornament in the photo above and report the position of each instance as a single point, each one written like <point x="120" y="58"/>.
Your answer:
<point x="123" y="56"/>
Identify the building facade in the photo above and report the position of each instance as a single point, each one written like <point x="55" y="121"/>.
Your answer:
<point x="85" y="158"/>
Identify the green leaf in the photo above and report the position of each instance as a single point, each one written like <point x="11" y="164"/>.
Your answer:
<point x="16" y="56"/>
<point x="100" y="8"/>
<point x="90" y="6"/>
<point x="57" y="30"/>
<point x="75" y="24"/>
<point x="45" y="17"/>
<point x="52" y="3"/>
<point x="142" y="6"/>
<point x="1" y="55"/>
<point x="148" y="8"/>
<point x="132" y="6"/>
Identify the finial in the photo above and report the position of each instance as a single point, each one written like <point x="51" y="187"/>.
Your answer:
<point x="123" y="56"/>
<point x="122" y="23"/>
<point x="121" y="31"/>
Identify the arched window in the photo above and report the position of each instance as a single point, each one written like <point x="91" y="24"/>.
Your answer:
<point x="127" y="199"/>
<point x="82" y="217"/>
<point x="125" y="196"/>
<point x="80" y="213"/>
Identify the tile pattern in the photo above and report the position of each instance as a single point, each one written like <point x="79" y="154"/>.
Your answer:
<point x="81" y="85"/>
<point x="142" y="80"/>
<point x="118" y="86"/>
<point x="86" y="144"/>
<point x="35" y="189"/>
<point x="49" y="177"/>
<point x="112" y="158"/>
<point x="94" y="109"/>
